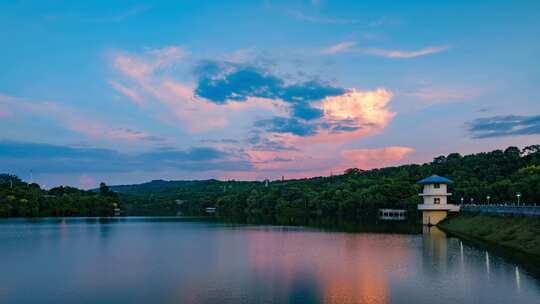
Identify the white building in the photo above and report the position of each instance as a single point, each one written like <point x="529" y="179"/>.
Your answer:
<point x="392" y="214"/>
<point x="435" y="194"/>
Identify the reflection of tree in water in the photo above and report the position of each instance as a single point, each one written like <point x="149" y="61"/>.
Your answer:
<point x="304" y="289"/>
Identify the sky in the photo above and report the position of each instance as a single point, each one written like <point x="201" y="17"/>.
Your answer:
<point x="130" y="91"/>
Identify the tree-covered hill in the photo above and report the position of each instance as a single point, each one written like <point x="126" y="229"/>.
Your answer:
<point x="21" y="199"/>
<point x="357" y="193"/>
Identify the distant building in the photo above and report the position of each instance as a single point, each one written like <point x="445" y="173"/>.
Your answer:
<point x="210" y="210"/>
<point x="392" y="214"/>
<point x="435" y="194"/>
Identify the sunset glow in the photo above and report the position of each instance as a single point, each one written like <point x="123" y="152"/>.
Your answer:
<point x="305" y="88"/>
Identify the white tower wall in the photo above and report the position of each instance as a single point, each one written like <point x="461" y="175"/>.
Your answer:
<point x="435" y="205"/>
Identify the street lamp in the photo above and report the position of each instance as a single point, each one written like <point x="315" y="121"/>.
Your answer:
<point x="462" y="200"/>
<point x="488" y="197"/>
<point x="518" y="195"/>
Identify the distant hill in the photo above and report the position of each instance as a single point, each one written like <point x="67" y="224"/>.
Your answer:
<point x="157" y="185"/>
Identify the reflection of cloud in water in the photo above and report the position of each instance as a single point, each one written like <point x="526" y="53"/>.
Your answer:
<point x="171" y="262"/>
<point x="348" y="268"/>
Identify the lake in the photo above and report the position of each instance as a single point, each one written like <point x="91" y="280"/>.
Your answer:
<point x="180" y="260"/>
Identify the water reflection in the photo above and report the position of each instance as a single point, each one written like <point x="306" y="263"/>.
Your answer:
<point x="469" y="266"/>
<point x="190" y="261"/>
<point x="434" y="250"/>
<point x="517" y="278"/>
<point x="487" y="263"/>
<point x="349" y="267"/>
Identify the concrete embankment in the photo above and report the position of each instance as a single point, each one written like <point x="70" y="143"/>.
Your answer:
<point x="512" y="232"/>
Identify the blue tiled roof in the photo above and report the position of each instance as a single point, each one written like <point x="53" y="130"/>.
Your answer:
<point x="434" y="179"/>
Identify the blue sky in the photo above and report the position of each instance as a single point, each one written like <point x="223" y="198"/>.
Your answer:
<point x="129" y="91"/>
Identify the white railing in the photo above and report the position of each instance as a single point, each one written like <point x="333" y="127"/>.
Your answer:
<point x="507" y="209"/>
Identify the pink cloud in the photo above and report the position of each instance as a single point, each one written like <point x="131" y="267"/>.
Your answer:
<point x="316" y="155"/>
<point x="141" y="66"/>
<point x="129" y="92"/>
<point x="99" y="130"/>
<point x="374" y="158"/>
<point x="133" y="67"/>
<point x="74" y="120"/>
<point x="297" y="164"/>
<point x="87" y="182"/>
<point x="196" y="115"/>
<point x="438" y="94"/>
<point x="147" y="72"/>
<point x="4" y="113"/>
<point x="364" y="112"/>
<point x="365" y="108"/>
<point x="273" y="160"/>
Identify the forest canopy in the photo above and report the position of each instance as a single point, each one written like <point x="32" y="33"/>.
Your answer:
<point x="21" y="199"/>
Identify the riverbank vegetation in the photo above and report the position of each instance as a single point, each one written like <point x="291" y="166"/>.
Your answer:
<point x="517" y="233"/>
<point x="21" y="199"/>
<point x="355" y="194"/>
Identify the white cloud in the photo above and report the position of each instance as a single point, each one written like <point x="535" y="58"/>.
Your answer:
<point x="320" y="19"/>
<point x="401" y="54"/>
<point x="362" y="107"/>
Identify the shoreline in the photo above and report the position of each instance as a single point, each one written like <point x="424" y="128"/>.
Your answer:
<point x="529" y="262"/>
<point x="520" y="235"/>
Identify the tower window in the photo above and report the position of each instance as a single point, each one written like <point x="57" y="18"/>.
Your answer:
<point x="437" y="186"/>
<point x="436" y="200"/>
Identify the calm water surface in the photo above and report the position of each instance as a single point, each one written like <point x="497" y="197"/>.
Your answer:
<point x="163" y="260"/>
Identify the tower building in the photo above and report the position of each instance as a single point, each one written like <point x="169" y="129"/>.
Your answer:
<point x="435" y="207"/>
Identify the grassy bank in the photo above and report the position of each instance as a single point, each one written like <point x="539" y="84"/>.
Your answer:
<point x="516" y="233"/>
